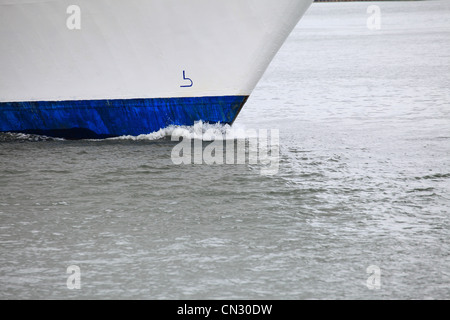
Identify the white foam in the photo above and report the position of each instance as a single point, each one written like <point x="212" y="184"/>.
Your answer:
<point x="10" y="136"/>
<point x="200" y="131"/>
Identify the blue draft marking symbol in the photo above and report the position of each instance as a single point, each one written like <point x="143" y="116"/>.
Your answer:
<point x="187" y="79"/>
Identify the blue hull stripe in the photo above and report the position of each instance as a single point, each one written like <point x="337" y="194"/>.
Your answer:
<point x="109" y="118"/>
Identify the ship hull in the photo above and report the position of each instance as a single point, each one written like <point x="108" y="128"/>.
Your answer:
<point x="99" y="119"/>
<point x="114" y="67"/>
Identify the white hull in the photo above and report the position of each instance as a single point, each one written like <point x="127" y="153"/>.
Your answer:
<point x="139" y="48"/>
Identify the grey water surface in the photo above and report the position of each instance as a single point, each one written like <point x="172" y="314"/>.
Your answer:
<point x="364" y="180"/>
